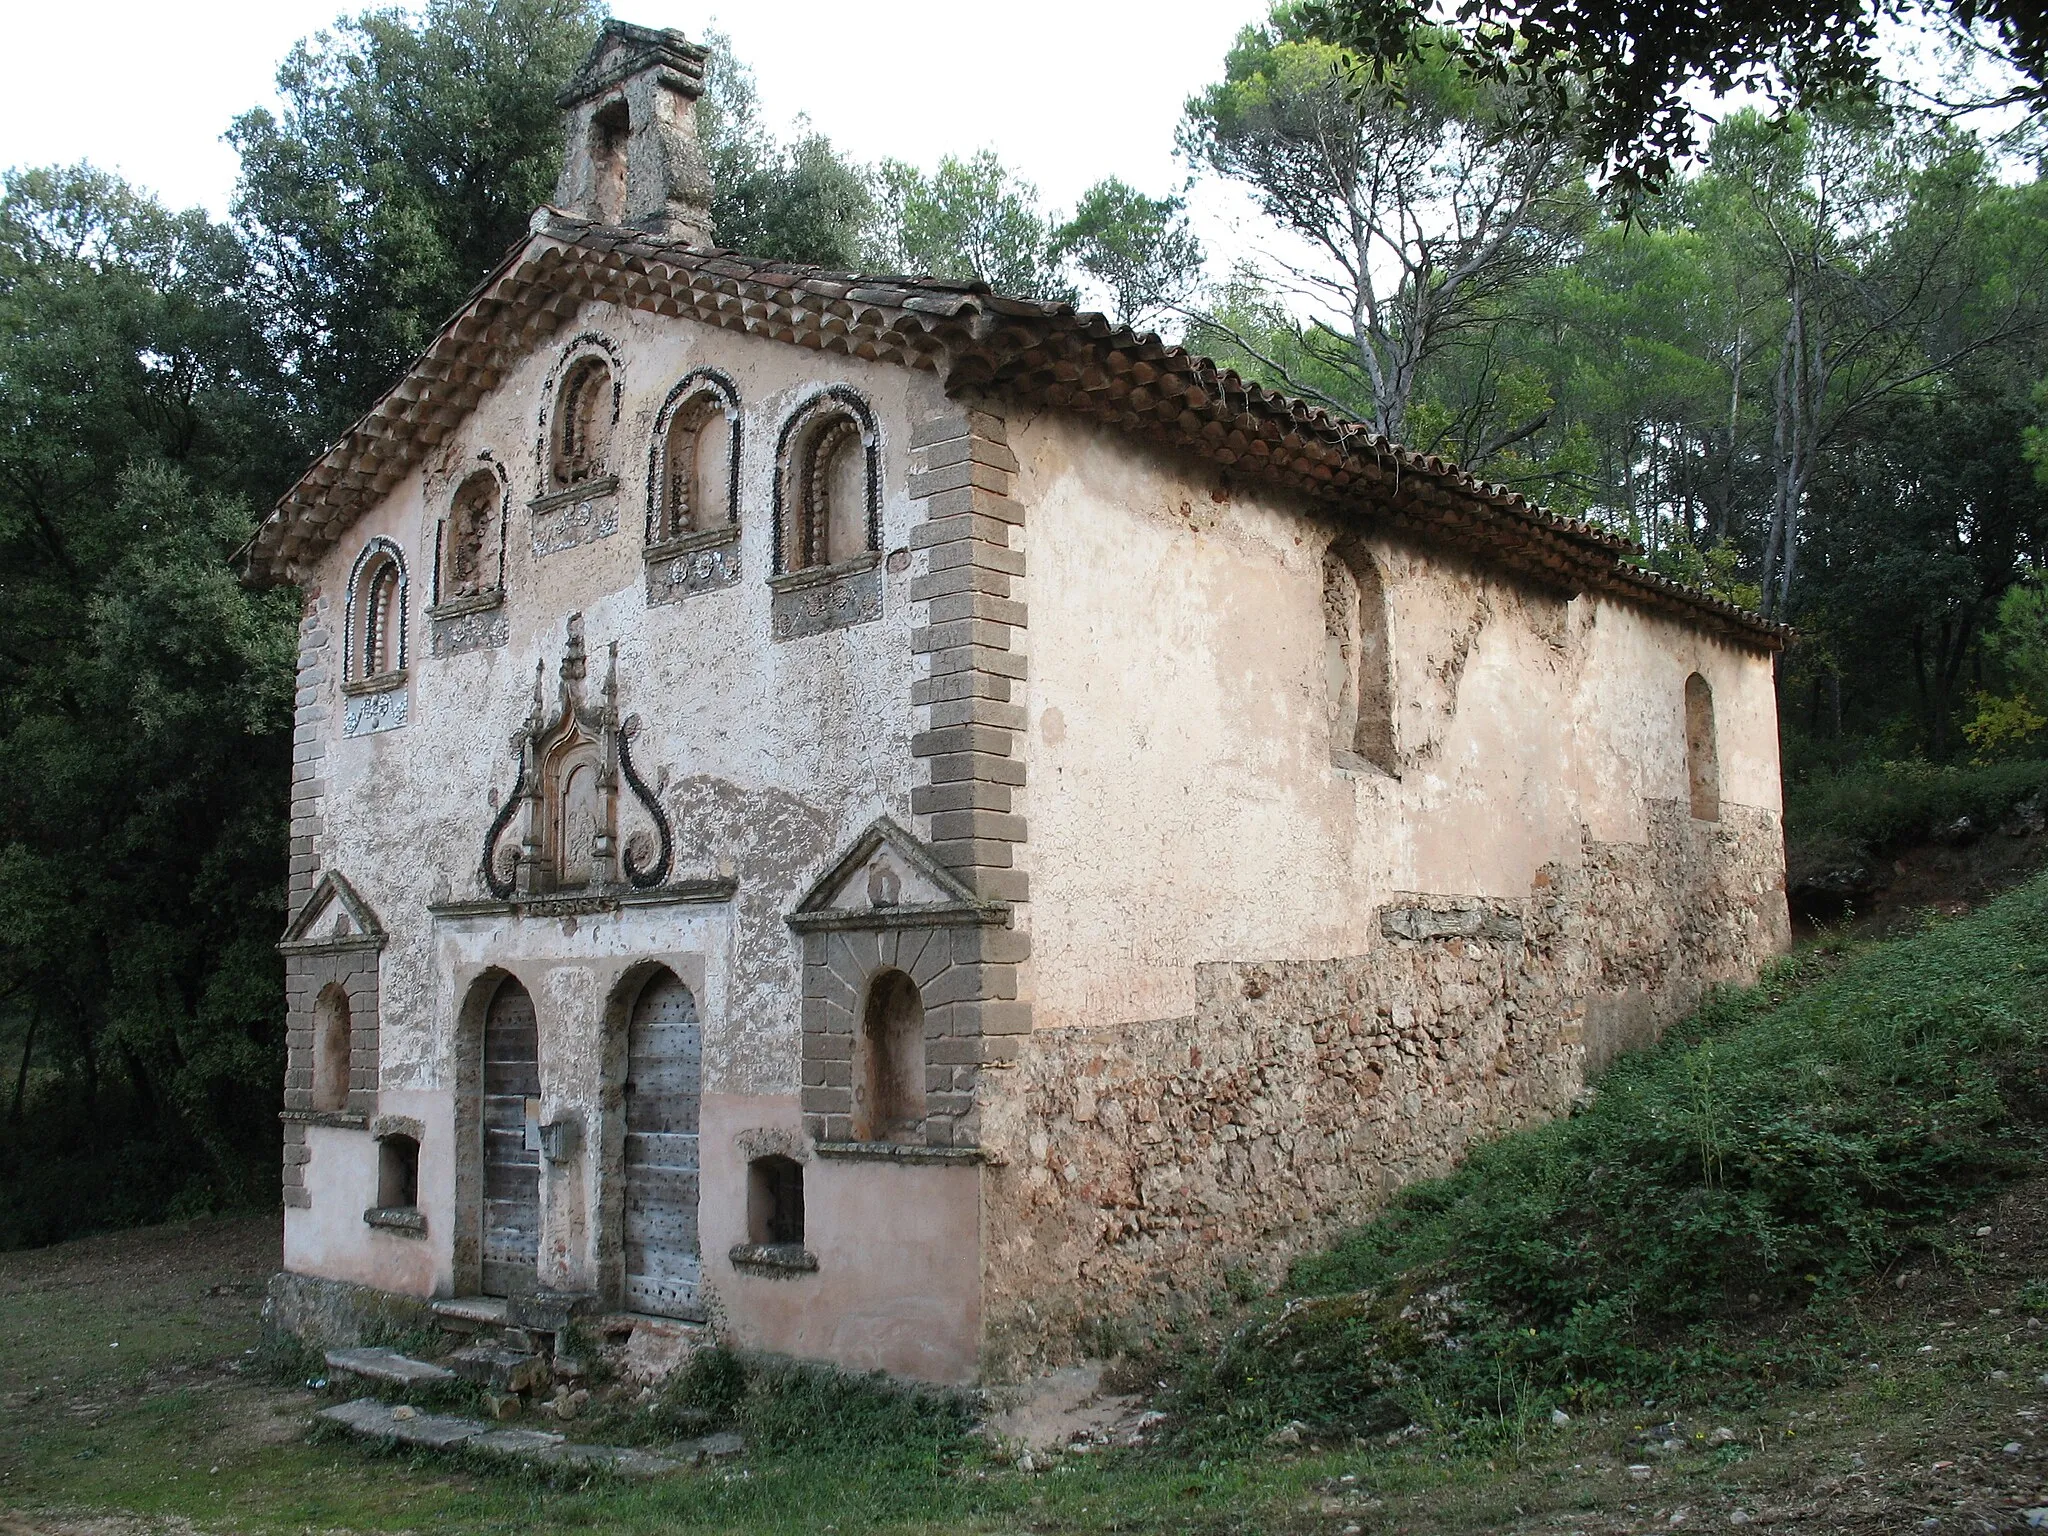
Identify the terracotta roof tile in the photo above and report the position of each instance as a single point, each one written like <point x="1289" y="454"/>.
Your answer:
<point x="1025" y="349"/>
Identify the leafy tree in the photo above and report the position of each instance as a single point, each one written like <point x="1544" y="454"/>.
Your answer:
<point x="409" y="156"/>
<point x="1139" y="248"/>
<point x="971" y="219"/>
<point x="145" y="707"/>
<point x="1422" y="215"/>
<point x="797" y="201"/>
<point x="1627" y="75"/>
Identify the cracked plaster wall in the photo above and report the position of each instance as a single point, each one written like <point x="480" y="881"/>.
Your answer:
<point x="1231" y="1057"/>
<point x="767" y="757"/>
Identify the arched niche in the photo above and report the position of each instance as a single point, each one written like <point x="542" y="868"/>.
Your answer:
<point x="1702" y="750"/>
<point x="1357" y="660"/>
<point x="693" y="479"/>
<point x="472" y="558"/>
<point x="828" y="483"/>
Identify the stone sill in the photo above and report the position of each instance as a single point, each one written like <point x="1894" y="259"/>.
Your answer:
<point x="820" y="575"/>
<point x="405" y="1220"/>
<point x="901" y="1152"/>
<point x="569" y="495"/>
<point x="591" y="903"/>
<point x="475" y="602"/>
<point x="383" y="682"/>
<point x="337" y="1119"/>
<point x="946" y="914"/>
<point x="777" y="1260"/>
<point x="683" y="543"/>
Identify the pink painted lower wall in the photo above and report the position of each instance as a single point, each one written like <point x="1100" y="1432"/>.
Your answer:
<point x="329" y="1238"/>
<point x="898" y="1284"/>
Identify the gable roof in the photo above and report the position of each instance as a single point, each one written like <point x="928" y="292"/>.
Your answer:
<point x="978" y="341"/>
<point x="333" y="893"/>
<point x="950" y="899"/>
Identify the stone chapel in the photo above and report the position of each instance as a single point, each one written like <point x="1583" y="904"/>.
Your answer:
<point x="891" y="821"/>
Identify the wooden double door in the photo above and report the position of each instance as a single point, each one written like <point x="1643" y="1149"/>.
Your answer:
<point x="663" y="1097"/>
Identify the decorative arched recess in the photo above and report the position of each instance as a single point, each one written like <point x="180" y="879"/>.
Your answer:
<point x="331" y="946"/>
<point x="374" y="641"/>
<point x="827" y="534"/>
<point x="885" y="925"/>
<point x="468" y="612"/>
<point x="579" y="500"/>
<point x="693" y="543"/>
<point x="565" y="796"/>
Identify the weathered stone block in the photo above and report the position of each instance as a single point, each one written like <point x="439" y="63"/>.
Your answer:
<point x="965" y="852"/>
<point x="993" y="740"/>
<point x="950" y="825"/>
<point x="976" y="765"/>
<point x="966" y="795"/>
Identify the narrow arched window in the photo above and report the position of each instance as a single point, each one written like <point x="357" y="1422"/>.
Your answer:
<point x="827" y="496"/>
<point x="889" y="1102"/>
<point x="696" y="470"/>
<point x="472" y="549"/>
<point x="583" y="423"/>
<point x="376" y="613"/>
<point x="1702" y="752"/>
<point x="330" y="1050"/>
<point x="1357" y="660"/>
<point x="611" y="129"/>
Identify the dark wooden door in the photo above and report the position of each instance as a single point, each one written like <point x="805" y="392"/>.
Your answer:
<point x="511" y="1169"/>
<point x="664" y="1063"/>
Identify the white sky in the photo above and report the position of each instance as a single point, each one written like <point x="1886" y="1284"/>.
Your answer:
<point x="1065" y="91"/>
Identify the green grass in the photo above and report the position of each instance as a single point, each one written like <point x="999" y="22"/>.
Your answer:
<point x="1773" y="1151"/>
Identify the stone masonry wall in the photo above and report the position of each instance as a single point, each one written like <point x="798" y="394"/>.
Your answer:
<point x="1147" y="1160"/>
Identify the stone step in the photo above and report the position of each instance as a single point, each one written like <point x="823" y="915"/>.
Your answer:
<point x="500" y="1368"/>
<point x="466" y="1314"/>
<point x="387" y="1366"/>
<point x="373" y="1420"/>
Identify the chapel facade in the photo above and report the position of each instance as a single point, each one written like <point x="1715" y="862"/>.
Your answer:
<point x="891" y="821"/>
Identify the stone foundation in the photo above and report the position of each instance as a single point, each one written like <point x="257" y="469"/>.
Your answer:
<point x="338" y="1314"/>
<point x="1149" y="1159"/>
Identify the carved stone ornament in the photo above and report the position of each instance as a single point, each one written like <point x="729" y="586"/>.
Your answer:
<point x="364" y="714"/>
<point x="696" y="562"/>
<point x="469" y="624"/>
<point x="565" y="799"/>
<point x="582" y="514"/>
<point x="818" y="598"/>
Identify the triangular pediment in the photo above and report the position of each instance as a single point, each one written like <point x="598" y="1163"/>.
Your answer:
<point x="885" y="875"/>
<point x="333" y="916"/>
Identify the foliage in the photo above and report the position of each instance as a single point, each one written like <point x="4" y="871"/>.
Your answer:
<point x="145" y="711"/>
<point x="1630" y="76"/>
<point x="1878" y="809"/>
<point x="1420" y="216"/>
<point x="796" y="201"/>
<point x="814" y="1410"/>
<point x="2002" y="726"/>
<point x="1777" y="1147"/>
<point x="410" y="153"/>
<point x="971" y="220"/>
<point x="1139" y="248"/>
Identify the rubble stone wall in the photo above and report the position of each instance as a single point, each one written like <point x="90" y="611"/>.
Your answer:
<point x="1148" y="1160"/>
